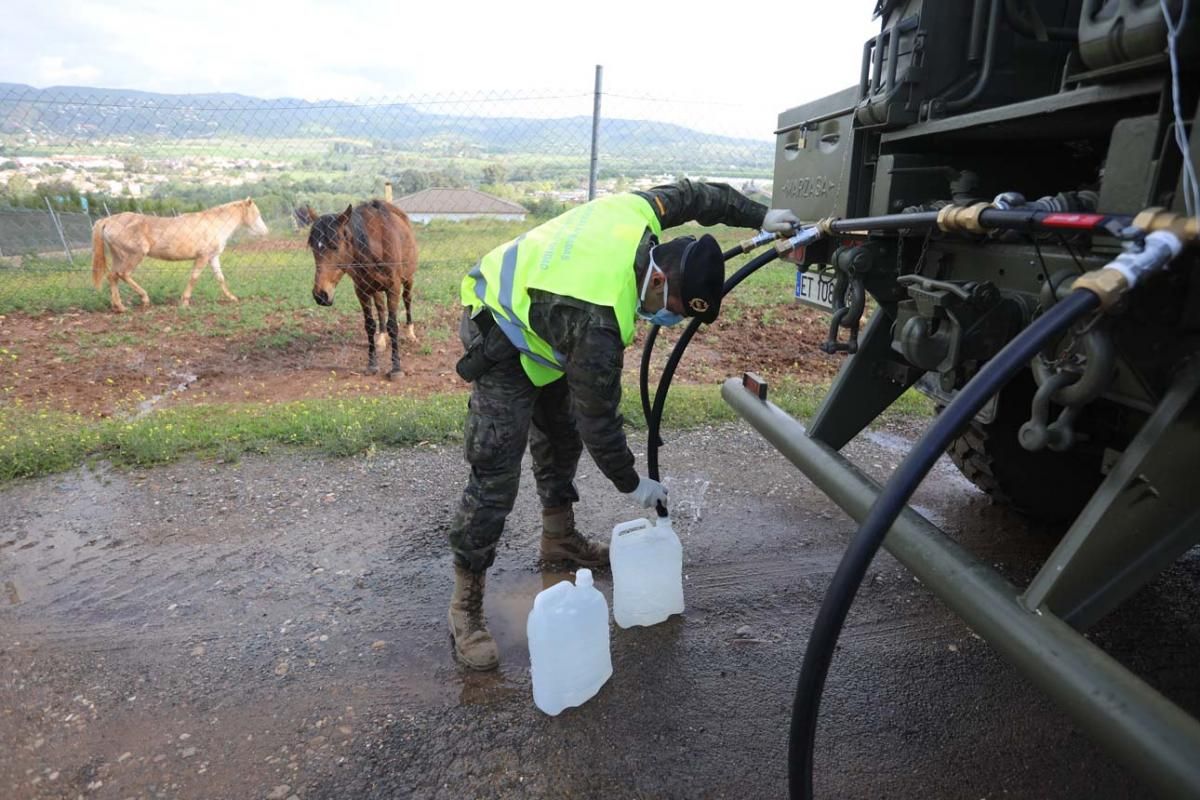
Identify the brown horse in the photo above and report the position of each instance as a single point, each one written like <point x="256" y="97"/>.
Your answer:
<point x="199" y="237"/>
<point x="374" y="244"/>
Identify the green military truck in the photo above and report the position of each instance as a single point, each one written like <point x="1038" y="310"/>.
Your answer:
<point x="991" y="157"/>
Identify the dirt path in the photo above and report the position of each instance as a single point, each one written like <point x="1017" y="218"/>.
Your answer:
<point x="276" y="628"/>
<point x="101" y="364"/>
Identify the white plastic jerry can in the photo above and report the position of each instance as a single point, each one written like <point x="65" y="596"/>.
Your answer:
<point x="647" y="570"/>
<point x="569" y="655"/>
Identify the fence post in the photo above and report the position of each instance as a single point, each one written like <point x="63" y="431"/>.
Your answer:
<point x="61" y="235"/>
<point x="107" y="213"/>
<point x="595" y="133"/>
<point x="387" y="191"/>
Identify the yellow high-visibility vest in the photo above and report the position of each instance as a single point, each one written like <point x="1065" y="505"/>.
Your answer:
<point x="586" y="253"/>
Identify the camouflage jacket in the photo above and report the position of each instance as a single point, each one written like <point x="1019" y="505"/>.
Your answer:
<point x="590" y="338"/>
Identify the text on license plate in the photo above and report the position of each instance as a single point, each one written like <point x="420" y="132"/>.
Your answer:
<point x="814" y="290"/>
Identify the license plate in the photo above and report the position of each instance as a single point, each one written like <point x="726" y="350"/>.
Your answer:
<point x="815" y="289"/>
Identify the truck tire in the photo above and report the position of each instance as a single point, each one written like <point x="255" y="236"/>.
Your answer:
<point x="1045" y="486"/>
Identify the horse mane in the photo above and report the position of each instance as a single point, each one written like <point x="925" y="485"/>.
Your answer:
<point x="323" y="228"/>
<point x="358" y="229"/>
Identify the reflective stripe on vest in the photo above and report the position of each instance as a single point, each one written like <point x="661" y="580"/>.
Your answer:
<point x="508" y="321"/>
<point x="586" y="253"/>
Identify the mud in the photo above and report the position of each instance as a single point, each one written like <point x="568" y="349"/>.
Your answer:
<point x="100" y="364"/>
<point x="276" y="628"/>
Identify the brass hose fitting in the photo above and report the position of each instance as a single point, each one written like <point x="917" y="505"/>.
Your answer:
<point x="825" y="226"/>
<point x="1159" y="219"/>
<point x="962" y="218"/>
<point x="1107" y="284"/>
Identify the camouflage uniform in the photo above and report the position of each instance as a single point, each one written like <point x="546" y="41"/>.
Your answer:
<point x="506" y="410"/>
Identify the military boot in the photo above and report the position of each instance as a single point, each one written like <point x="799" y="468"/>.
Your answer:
<point x="473" y="645"/>
<point x="561" y="542"/>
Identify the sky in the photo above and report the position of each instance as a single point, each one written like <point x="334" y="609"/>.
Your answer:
<point x="728" y="69"/>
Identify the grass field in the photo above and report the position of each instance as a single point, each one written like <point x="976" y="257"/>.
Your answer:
<point x="41" y="443"/>
<point x="283" y="274"/>
<point x="263" y="382"/>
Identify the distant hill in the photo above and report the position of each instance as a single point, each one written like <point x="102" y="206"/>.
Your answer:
<point x="83" y="113"/>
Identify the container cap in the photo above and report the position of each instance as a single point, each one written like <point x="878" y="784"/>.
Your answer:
<point x="583" y="578"/>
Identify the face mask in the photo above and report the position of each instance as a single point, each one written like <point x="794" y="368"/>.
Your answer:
<point x="664" y="317"/>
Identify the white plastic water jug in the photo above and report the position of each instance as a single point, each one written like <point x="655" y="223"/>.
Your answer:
<point x="647" y="570"/>
<point x="569" y="655"/>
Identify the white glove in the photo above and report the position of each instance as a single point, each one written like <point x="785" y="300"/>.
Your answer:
<point x="780" y="220"/>
<point x="649" y="492"/>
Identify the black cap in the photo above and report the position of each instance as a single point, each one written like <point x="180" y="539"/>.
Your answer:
<point x="703" y="276"/>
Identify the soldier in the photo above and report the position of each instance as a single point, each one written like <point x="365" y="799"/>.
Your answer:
<point x="546" y="321"/>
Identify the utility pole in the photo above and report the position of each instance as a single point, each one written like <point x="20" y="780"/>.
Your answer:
<point x="595" y="133"/>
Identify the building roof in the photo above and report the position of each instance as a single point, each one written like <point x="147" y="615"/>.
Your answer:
<point x="456" y="201"/>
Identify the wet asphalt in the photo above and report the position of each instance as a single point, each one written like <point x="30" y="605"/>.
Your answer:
<point x="275" y="628"/>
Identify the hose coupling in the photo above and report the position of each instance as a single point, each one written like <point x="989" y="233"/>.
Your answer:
<point x="825" y="226"/>
<point x="760" y="238"/>
<point x="962" y="218"/>
<point x="1114" y="279"/>
<point x="800" y="238"/>
<point x="1159" y="219"/>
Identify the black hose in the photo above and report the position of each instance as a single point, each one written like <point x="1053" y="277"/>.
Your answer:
<point x="989" y="61"/>
<point x="975" y="41"/>
<point x="648" y="350"/>
<point x="887" y="507"/>
<point x="644" y="377"/>
<point x="1027" y="219"/>
<point x="654" y="419"/>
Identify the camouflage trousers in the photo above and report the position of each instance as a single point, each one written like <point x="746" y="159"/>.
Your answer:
<point x="505" y="413"/>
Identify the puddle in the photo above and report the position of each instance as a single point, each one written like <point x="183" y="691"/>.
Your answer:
<point x="508" y="601"/>
<point x="888" y="441"/>
<point x="43" y="553"/>
<point x="146" y="406"/>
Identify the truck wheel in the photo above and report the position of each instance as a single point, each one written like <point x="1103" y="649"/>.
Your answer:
<point x="1045" y="486"/>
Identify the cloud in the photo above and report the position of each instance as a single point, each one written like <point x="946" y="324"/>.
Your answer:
<point x="694" y="68"/>
<point x="54" y="70"/>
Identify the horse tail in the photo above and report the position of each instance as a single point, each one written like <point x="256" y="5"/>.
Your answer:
<point x="99" y="265"/>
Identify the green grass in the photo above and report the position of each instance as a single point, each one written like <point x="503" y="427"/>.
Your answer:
<point x="34" y="443"/>
<point x="282" y="279"/>
<point x="275" y="287"/>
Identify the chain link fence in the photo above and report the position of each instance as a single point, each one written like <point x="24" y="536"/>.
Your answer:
<point x="471" y="170"/>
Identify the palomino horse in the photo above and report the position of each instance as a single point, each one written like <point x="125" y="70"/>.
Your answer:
<point x="374" y="244"/>
<point x="198" y="237"/>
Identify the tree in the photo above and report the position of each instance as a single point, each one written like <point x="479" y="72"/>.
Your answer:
<point x="494" y="174"/>
<point x="412" y="180"/>
<point x="18" y="186"/>
<point x="62" y="194"/>
<point x="134" y="163"/>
